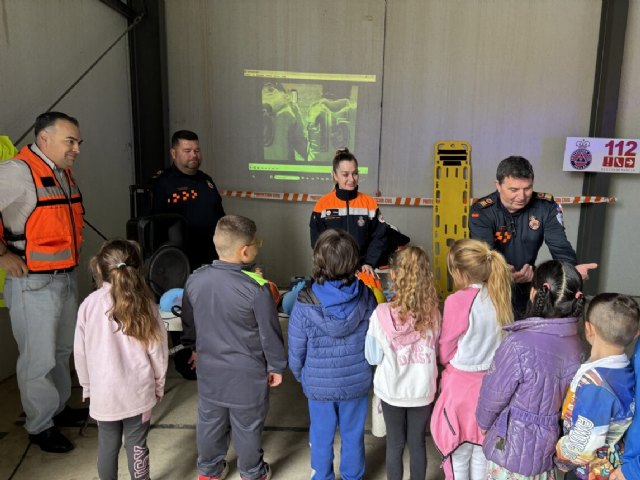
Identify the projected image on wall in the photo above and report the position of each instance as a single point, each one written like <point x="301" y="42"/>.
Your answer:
<point x="307" y="122"/>
<point x="305" y="118"/>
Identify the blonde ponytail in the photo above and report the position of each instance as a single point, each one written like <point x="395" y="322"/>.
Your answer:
<point x="499" y="287"/>
<point x="475" y="262"/>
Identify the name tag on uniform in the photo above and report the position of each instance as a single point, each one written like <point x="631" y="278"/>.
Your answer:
<point x="331" y="213"/>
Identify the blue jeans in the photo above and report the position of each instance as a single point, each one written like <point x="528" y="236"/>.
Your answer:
<point x="43" y="310"/>
<point x="350" y="416"/>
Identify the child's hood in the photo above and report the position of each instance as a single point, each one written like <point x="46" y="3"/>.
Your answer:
<point x="343" y="307"/>
<point x="398" y="332"/>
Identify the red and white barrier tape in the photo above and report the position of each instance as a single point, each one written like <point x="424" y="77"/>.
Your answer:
<point x="399" y="201"/>
<point x="584" y="199"/>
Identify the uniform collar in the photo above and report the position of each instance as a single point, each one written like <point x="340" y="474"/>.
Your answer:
<point x="35" y="149"/>
<point x="346" y="194"/>
<point x="231" y="266"/>
<point x="176" y="171"/>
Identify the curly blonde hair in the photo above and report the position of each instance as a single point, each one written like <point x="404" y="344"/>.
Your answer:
<point x="414" y="288"/>
<point x="119" y="263"/>
<point x="472" y="261"/>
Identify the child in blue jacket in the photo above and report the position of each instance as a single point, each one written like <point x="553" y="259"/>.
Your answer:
<point x="327" y="330"/>
<point x="630" y="468"/>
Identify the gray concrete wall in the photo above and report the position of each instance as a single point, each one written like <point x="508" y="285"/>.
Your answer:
<point x="510" y="77"/>
<point x="620" y="258"/>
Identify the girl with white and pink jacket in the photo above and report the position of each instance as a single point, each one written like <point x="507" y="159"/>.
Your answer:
<point x="471" y="332"/>
<point x="401" y="341"/>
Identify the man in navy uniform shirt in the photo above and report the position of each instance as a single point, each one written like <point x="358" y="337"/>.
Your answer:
<point x="515" y="220"/>
<point x="184" y="189"/>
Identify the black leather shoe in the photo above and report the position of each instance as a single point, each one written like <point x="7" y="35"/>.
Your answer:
<point x="51" y="440"/>
<point x="71" y="417"/>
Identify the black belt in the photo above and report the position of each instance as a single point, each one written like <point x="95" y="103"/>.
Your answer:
<point x="52" y="272"/>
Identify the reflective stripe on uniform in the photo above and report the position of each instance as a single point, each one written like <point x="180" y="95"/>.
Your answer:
<point x="352" y="211"/>
<point x="47" y="257"/>
<point x="44" y="192"/>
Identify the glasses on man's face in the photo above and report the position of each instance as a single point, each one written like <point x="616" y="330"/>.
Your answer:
<point x="257" y="242"/>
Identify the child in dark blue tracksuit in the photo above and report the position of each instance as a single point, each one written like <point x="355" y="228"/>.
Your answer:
<point x="327" y="330"/>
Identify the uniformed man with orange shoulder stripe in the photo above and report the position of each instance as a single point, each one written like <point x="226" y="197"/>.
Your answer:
<point x="40" y="238"/>
<point x="347" y="209"/>
<point x="184" y="189"/>
<point x="515" y="220"/>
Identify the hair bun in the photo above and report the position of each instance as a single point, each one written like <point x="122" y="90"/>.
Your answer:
<point x="342" y="150"/>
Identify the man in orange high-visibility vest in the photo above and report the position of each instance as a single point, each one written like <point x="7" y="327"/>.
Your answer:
<point x="40" y="237"/>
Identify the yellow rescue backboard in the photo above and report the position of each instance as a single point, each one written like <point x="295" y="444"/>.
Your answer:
<point x="451" y="203"/>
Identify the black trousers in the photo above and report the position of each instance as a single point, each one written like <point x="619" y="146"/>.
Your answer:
<point x="406" y="426"/>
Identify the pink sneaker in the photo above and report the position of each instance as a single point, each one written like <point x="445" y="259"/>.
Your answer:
<point x="220" y="476"/>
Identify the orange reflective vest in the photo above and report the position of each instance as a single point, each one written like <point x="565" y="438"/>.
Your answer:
<point x="53" y="232"/>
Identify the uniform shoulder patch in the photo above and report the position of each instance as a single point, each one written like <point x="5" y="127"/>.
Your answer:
<point x="485" y="202"/>
<point x="544" y="196"/>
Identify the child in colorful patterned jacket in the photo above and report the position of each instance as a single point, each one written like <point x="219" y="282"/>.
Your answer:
<point x="599" y="405"/>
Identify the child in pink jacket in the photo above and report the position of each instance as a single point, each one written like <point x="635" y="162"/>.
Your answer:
<point x="120" y="352"/>
<point x="472" y="319"/>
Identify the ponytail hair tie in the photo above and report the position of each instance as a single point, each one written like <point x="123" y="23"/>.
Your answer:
<point x="546" y="286"/>
<point x="489" y="256"/>
<point x="121" y="265"/>
<point x="578" y="295"/>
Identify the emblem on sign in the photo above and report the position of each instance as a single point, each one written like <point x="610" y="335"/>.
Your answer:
<point x="581" y="158"/>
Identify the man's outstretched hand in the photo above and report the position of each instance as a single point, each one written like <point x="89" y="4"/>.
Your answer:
<point x="583" y="269"/>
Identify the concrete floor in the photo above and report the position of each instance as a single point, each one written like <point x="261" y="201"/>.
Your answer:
<point x="172" y="440"/>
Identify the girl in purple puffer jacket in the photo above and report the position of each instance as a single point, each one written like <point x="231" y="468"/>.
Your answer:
<point x="522" y="393"/>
